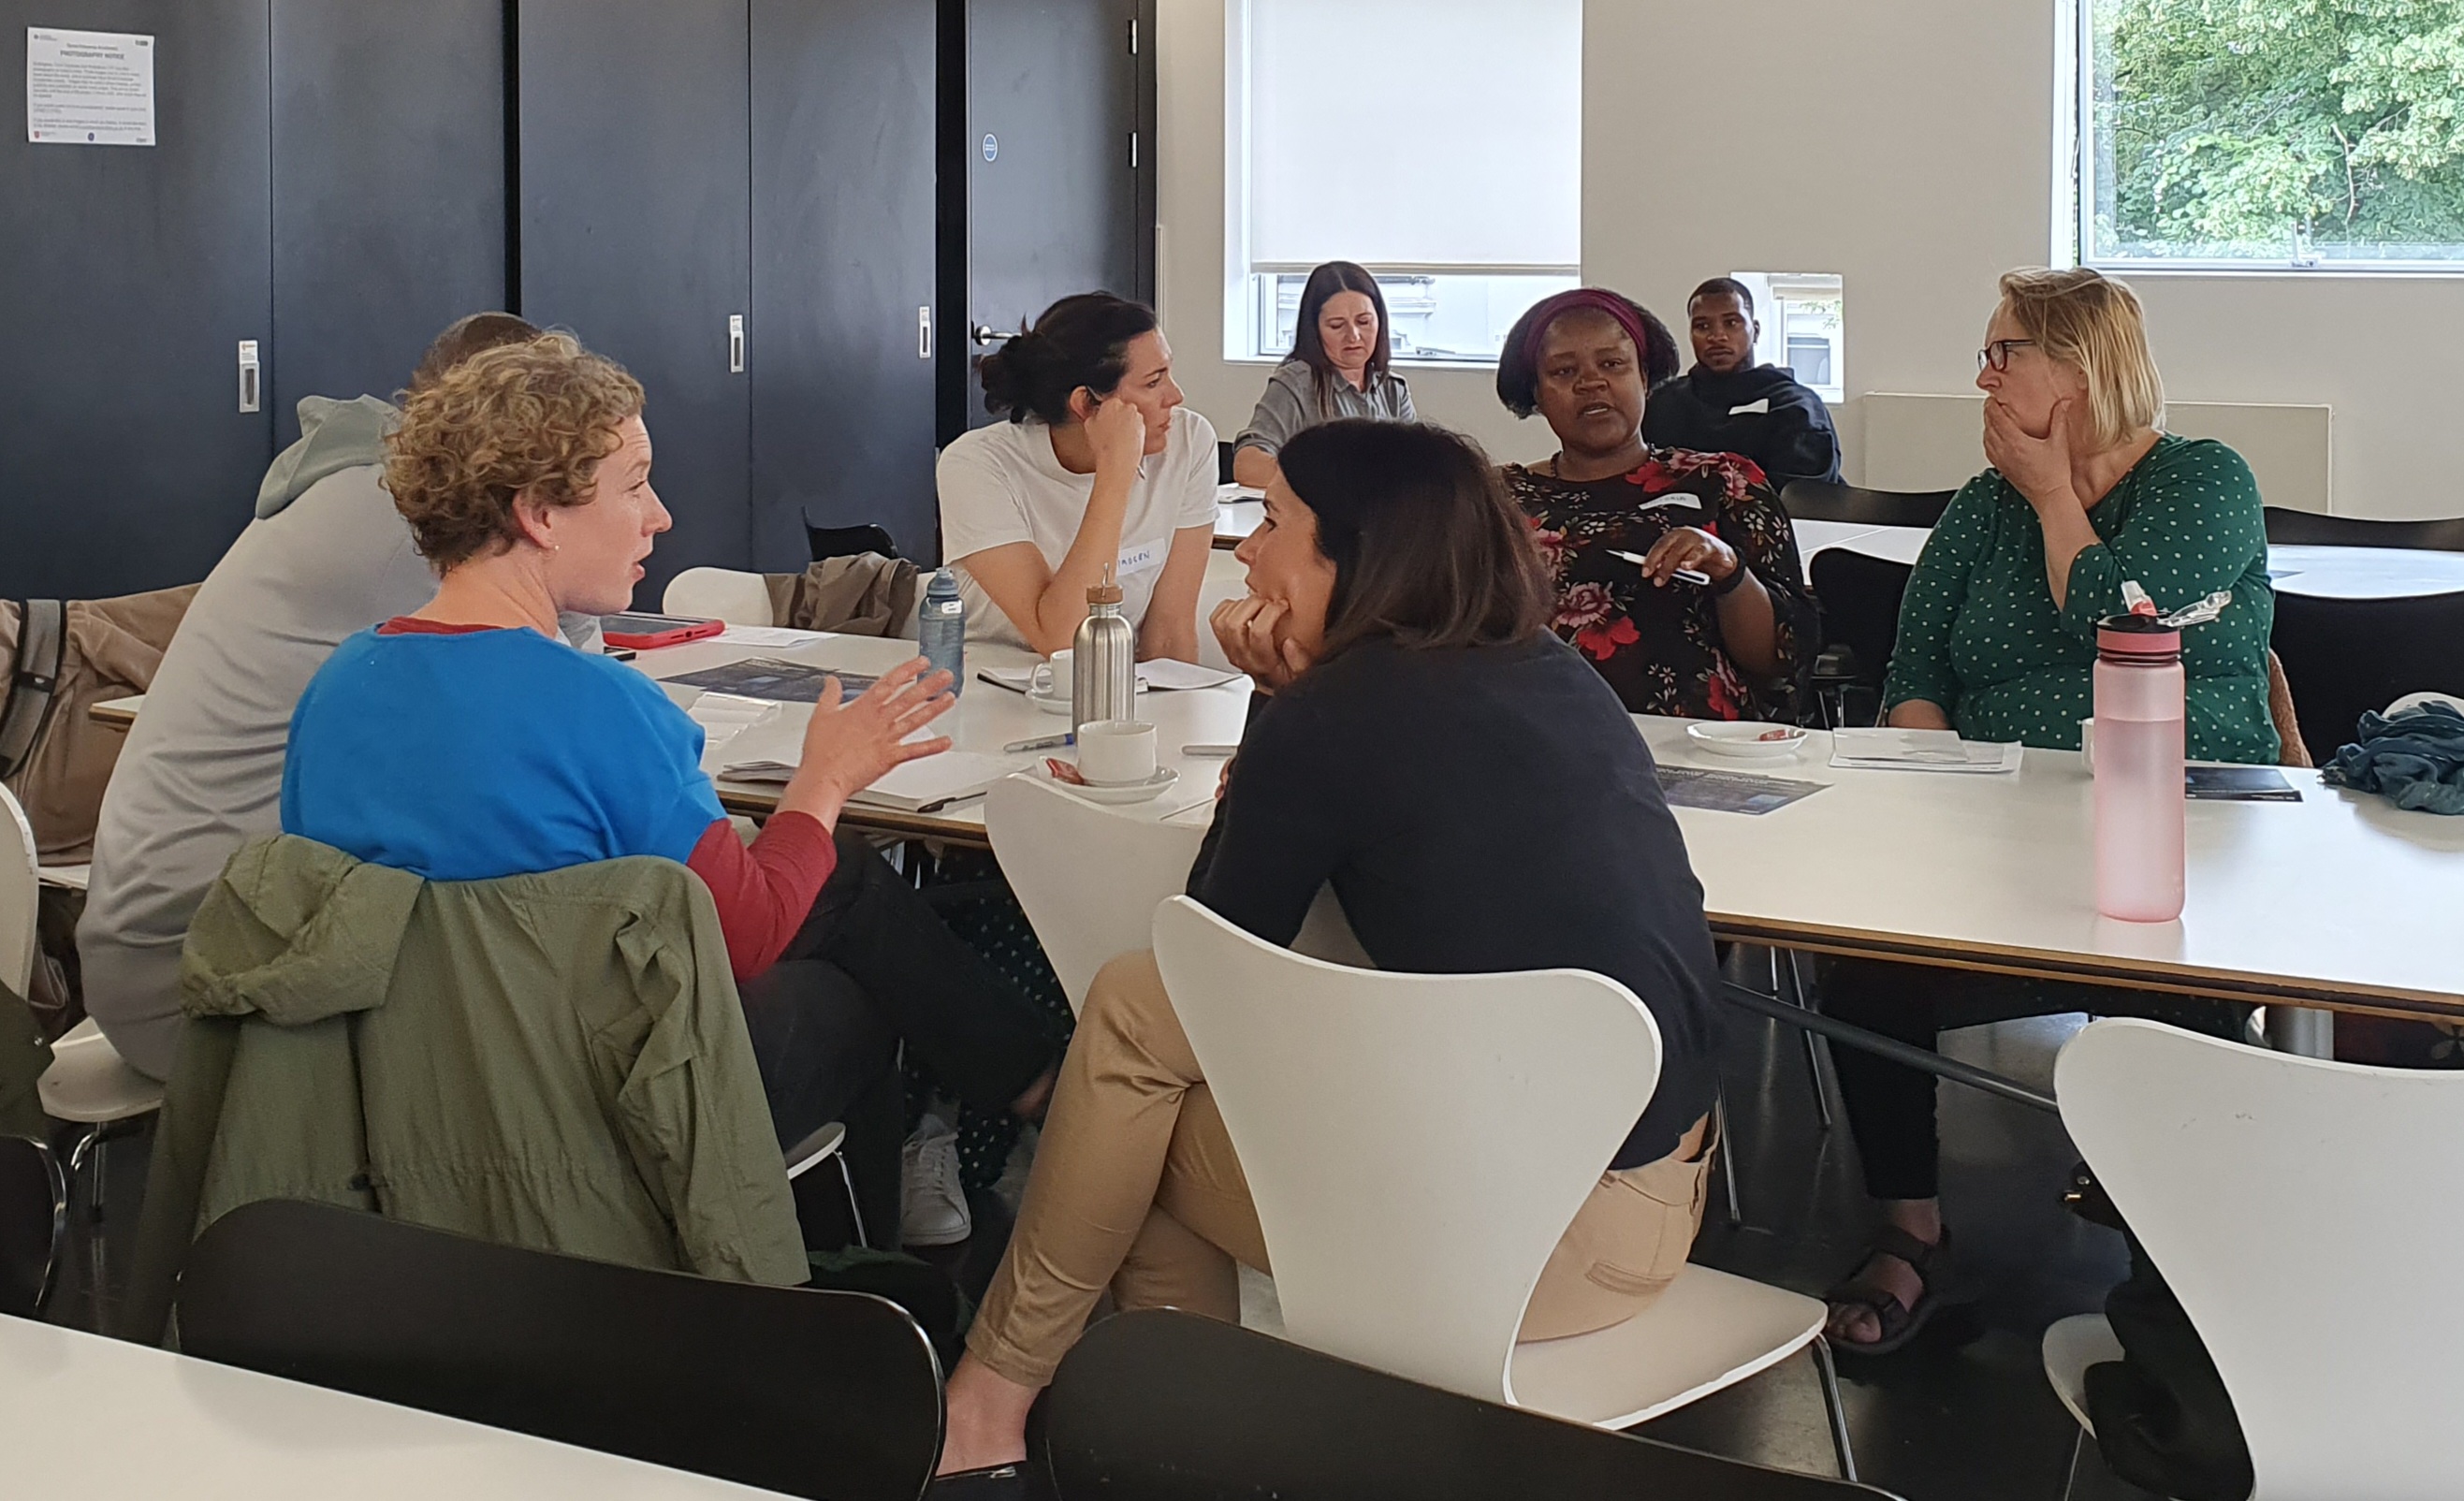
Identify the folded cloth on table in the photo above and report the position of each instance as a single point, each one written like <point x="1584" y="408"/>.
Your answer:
<point x="2414" y="760"/>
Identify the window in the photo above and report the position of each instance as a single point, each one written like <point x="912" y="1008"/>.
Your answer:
<point x="1804" y="326"/>
<point x="2271" y="133"/>
<point x="1438" y="143"/>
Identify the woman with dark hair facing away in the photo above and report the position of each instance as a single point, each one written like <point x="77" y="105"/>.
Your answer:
<point x="1716" y="614"/>
<point x="1396" y="620"/>
<point x="1341" y="365"/>
<point x="1100" y="471"/>
<point x="465" y="740"/>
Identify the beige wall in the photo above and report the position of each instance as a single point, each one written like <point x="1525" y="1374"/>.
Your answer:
<point x="1911" y="152"/>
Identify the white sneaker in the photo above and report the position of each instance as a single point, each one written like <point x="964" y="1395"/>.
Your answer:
<point x="932" y="1203"/>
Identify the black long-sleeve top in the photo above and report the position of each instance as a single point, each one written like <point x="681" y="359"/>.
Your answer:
<point x="1478" y="810"/>
<point x="1790" y="437"/>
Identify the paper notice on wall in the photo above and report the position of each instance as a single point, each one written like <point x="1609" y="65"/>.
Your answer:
<point x="89" y="88"/>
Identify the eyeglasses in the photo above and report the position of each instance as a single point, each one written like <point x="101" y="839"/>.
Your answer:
<point x="1998" y="354"/>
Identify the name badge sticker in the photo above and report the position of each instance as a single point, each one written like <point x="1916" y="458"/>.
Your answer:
<point x="1138" y="560"/>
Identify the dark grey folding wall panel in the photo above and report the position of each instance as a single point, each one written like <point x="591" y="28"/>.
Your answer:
<point x="634" y="225"/>
<point x="1052" y="203"/>
<point x="128" y="275"/>
<point x="388" y="189"/>
<point x="843" y="246"/>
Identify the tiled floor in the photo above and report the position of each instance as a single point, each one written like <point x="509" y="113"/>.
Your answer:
<point x="1963" y="1414"/>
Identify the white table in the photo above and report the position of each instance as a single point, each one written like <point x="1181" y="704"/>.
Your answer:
<point x="2317" y="572"/>
<point x="2364" y="573"/>
<point x="2341" y="901"/>
<point x="1897" y="544"/>
<point x="105" y="1419"/>
<point x="1236" y="519"/>
<point x="986" y="719"/>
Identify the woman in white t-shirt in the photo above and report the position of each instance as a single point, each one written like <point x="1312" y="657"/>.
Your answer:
<point x="1099" y="466"/>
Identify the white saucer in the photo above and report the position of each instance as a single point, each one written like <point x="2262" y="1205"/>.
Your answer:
<point x="1133" y="792"/>
<point x="1741" y="740"/>
<point x="1060" y="703"/>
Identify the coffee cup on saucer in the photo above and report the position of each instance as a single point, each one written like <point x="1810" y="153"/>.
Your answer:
<point x="1053" y="678"/>
<point x="1116" y="753"/>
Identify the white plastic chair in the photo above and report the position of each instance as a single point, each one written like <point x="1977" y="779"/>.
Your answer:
<point x="728" y="594"/>
<point x="2303" y="1212"/>
<point x="1416" y="1144"/>
<point x="1088" y="878"/>
<point x="20" y="889"/>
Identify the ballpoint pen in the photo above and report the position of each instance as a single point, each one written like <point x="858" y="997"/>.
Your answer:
<point x="1040" y="743"/>
<point x="1680" y="575"/>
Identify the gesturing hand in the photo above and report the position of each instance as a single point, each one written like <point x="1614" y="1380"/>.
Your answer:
<point x="1250" y="630"/>
<point x="1689" y="547"/>
<point x="2040" y="469"/>
<point x="849" y="745"/>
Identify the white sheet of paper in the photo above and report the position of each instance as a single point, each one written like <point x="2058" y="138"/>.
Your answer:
<point x="89" y="88"/>
<point x="1169" y="674"/>
<point x="769" y="636"/>
<point x="1919" y="750"/>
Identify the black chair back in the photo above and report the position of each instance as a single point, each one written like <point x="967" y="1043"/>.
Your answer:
<point x="1820" y="500"/>
<point x="2343" y="656"/>
<point x="825" y="1395"/>
<point x="1860" y="608"/>
<point x="1167" y="1406"/>
<point x="2309" y="529"/>
<point x="1222" y="463"/>
<point x="34" y="1221"/>
<point x="846" y="542"/>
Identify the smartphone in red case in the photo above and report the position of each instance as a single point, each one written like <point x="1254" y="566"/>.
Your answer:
<point x="648" y="633"/>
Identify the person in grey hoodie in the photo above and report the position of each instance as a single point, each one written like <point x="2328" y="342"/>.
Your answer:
<point x="326" y="556"/>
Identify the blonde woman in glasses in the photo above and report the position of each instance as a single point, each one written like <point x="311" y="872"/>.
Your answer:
<point x="1997" y="640"/>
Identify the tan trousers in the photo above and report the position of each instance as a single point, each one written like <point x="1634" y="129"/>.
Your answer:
<point x="1136" y="1187"/>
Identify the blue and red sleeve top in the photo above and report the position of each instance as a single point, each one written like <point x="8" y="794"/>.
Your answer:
<point x="467" y="753"/>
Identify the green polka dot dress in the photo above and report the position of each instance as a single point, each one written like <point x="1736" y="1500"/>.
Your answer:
<point x="1979" y="633"/>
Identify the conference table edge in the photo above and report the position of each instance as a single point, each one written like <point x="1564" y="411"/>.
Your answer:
<point x="2121" y="974"/>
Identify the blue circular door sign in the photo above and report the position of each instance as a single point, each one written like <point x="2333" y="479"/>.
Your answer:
<point x="991" y="146"/>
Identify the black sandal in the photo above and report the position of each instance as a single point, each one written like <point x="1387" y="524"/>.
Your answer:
<point x="1900" y="1322"/>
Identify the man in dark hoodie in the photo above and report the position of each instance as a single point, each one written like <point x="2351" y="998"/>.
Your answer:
<point x="326" y="556"/>
<point x="1727" y="403"/>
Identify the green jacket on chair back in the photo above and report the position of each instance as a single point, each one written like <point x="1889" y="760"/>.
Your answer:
<point x="556" y="1061"/>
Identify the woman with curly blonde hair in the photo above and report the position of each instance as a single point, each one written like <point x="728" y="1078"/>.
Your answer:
<point x="467" y="742"/>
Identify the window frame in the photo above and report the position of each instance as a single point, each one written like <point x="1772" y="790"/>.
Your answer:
<point x="2075" y="179"/>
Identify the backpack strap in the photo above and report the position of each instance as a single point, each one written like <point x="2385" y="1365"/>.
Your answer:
<point x="34" y="680"/>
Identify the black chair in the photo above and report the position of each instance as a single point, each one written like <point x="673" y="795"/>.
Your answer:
<point x="2309" y="529"/>
<point x="846" y="542"/>
<point x="1222" y="463"/>
<point x="1820" y="500"/>
<point x="825" y="1395"/>
<point x="33" y="1222"/>
<point x="2343" y="656"/>
<point x="1859" y="594"/>
<point x="1168" y="1407"/>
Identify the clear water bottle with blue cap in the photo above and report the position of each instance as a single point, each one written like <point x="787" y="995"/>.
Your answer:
<point x="942" y="628"/>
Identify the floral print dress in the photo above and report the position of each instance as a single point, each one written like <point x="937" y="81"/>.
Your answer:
<point x="1660" y="646"/>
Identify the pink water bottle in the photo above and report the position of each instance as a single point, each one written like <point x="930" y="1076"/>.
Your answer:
<point x="2138" y="785"/>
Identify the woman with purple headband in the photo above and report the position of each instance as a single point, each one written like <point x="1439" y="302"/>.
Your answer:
<point x="1714" y="621"/>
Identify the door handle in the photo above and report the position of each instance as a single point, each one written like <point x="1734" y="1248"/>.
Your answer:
<point x="924" y="331"/>
<point x="248" y="375"/>
<point x="735" y="344"/>
<point x="987" y="334"/>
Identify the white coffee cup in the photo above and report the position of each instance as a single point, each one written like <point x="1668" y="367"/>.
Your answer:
<point x="1116" y="753"/>
<point x="1052" y="678"/>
